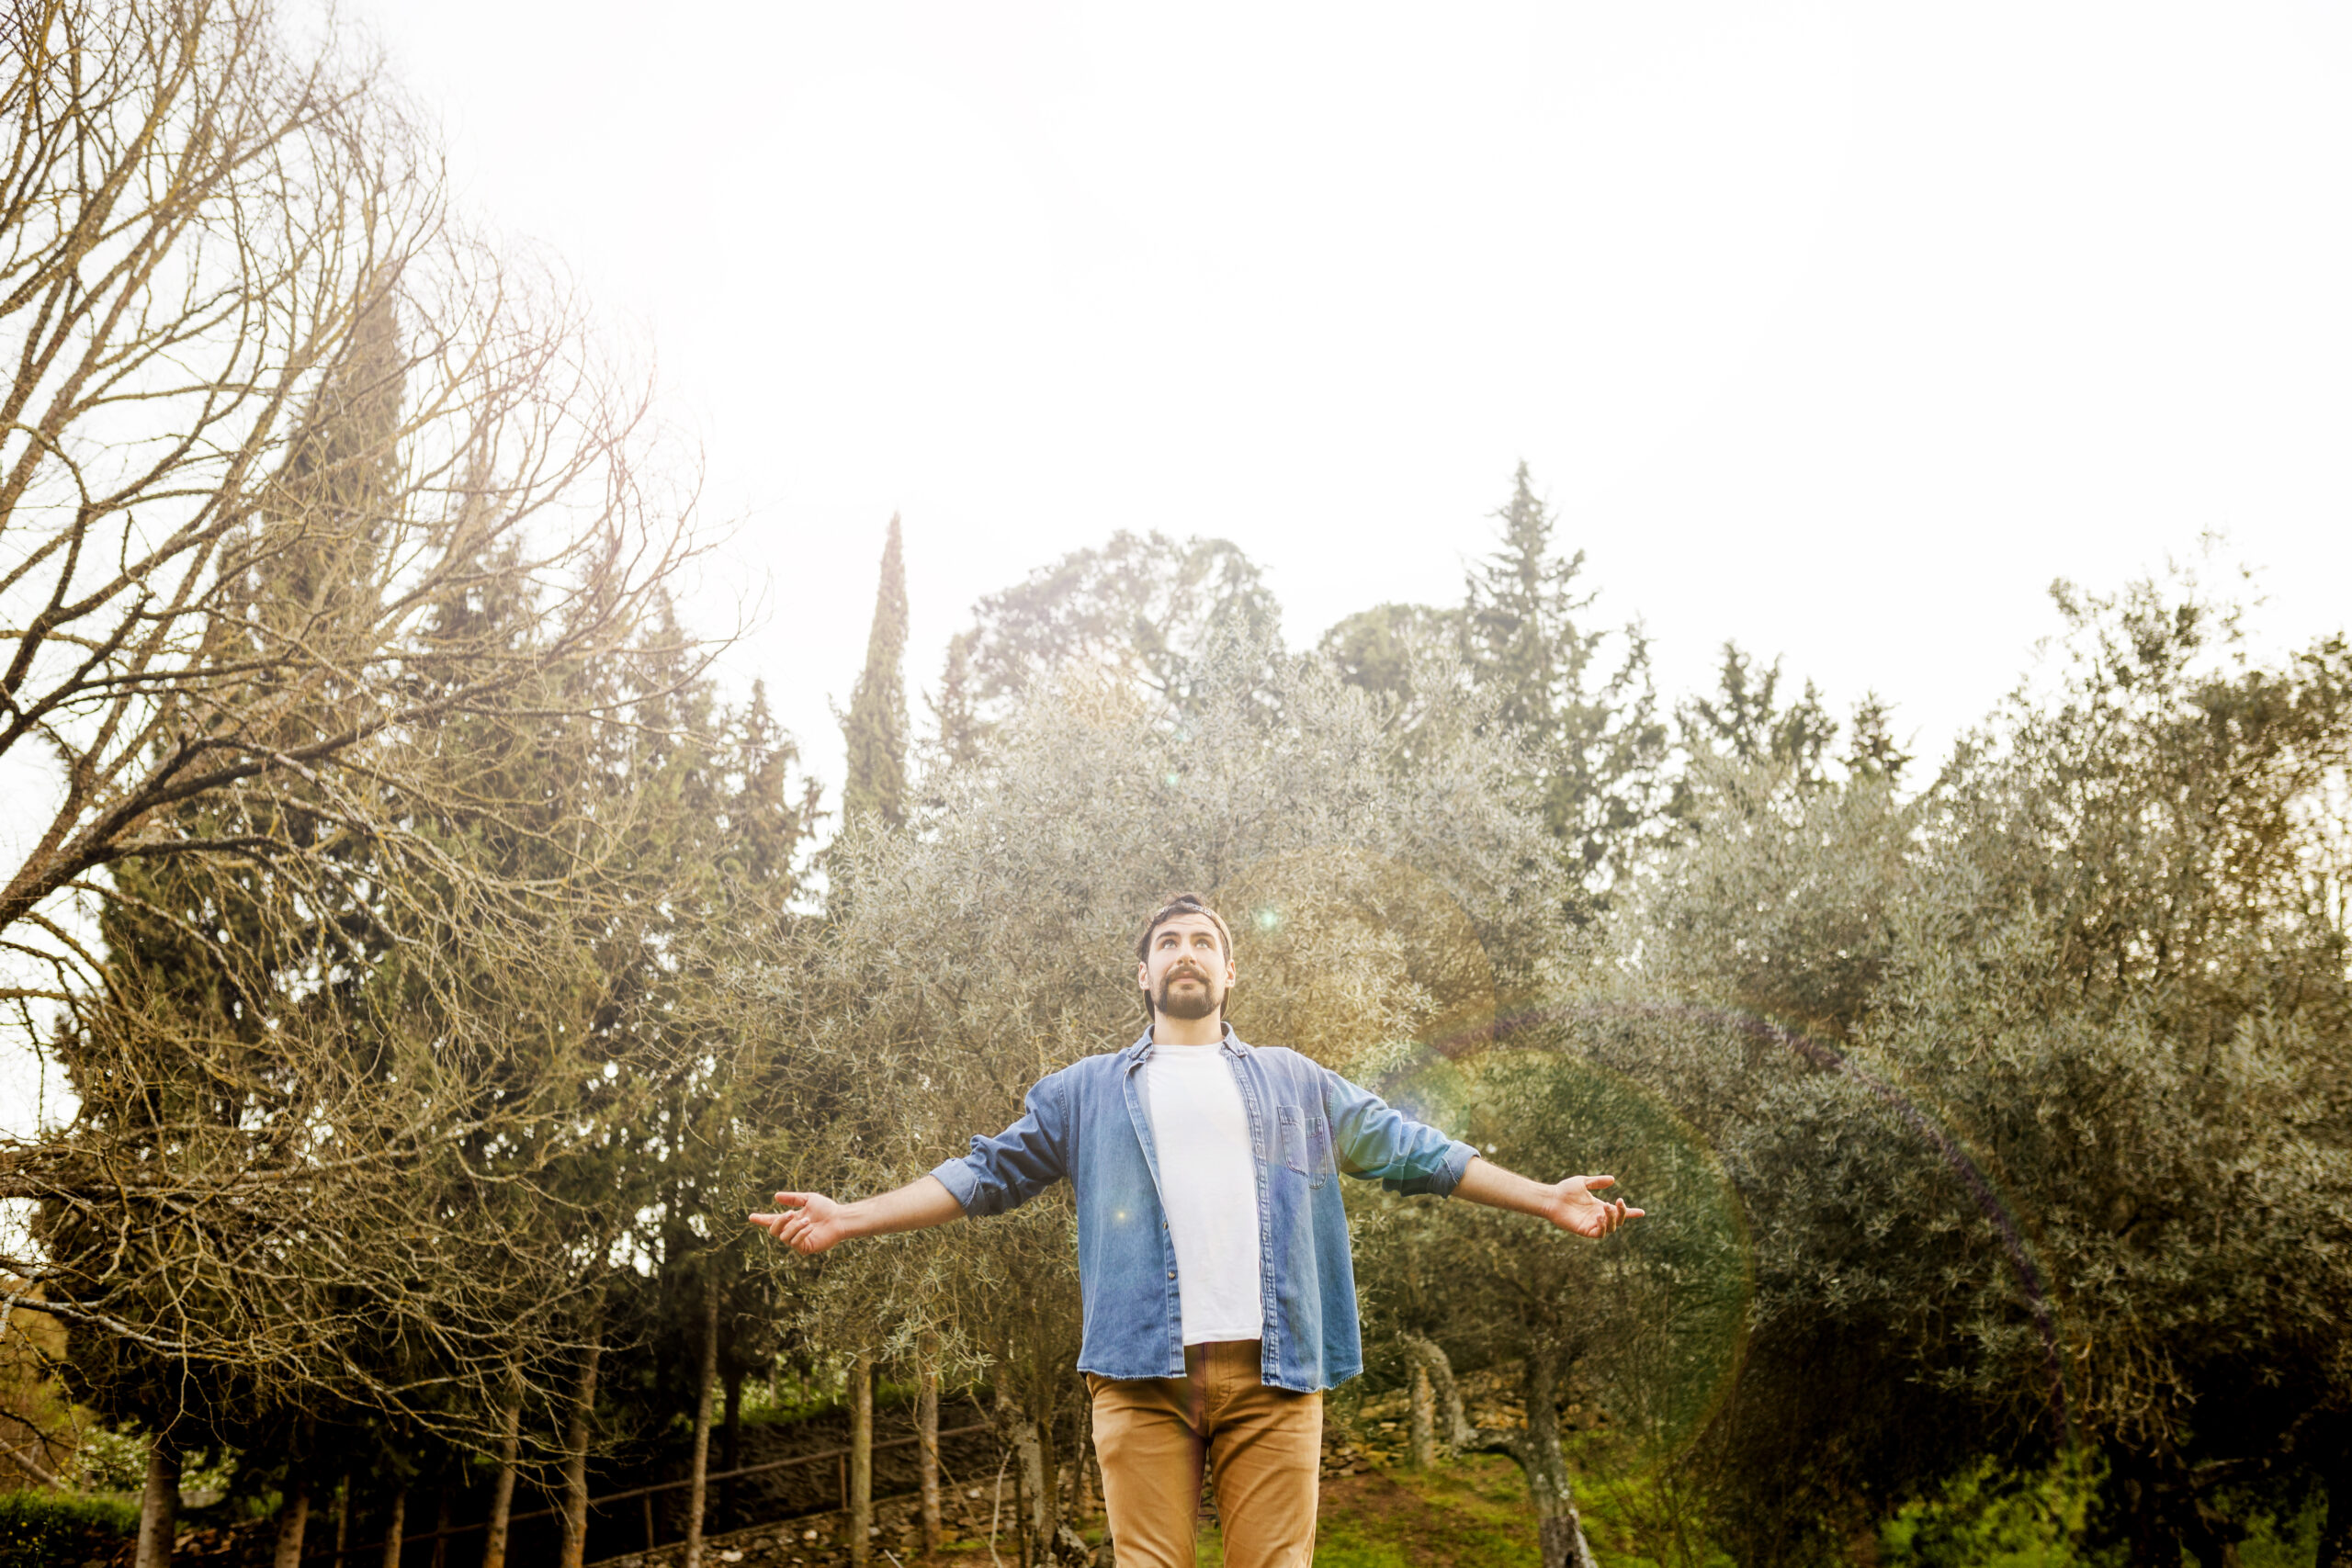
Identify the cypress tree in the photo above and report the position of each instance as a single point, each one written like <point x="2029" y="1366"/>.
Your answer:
<point x="876" y="727"/>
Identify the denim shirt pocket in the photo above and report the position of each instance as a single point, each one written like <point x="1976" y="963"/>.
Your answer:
<point x="1306" y="1144"/>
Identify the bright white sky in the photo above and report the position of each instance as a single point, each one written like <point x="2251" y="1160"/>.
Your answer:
<point x="1840" y="331"/>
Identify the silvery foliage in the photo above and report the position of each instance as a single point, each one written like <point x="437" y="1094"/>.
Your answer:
<point x="2034" y="1087"/>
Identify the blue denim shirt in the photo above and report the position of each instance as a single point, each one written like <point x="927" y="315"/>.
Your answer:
<point x="1089" y="1122"/>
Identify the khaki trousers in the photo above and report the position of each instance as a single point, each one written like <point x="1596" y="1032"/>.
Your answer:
<point x="1263" y="1448"/>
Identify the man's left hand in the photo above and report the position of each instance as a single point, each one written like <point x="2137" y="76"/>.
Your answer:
<point x="1574" y="1207"/>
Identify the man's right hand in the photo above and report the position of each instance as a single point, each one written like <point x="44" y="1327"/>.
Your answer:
<point x="808" y="1223"/>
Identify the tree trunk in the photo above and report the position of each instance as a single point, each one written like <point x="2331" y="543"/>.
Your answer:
<point x="441" y="1511"/>
<point x="2151" y="1540"/>
<point x="734" y="1449"/>
<point x="2335" y="1535"/>
<point x="1040" y="1499"/>
<point x="293" y="1518"/>
<point x="1560" y="1534"/>
<point x="861" y="1460"/>
<point x="159" y="1506"/>
<point x="342" y="1517"/>
<point x="927" y="1437"/>
<point x="396" y="1527"/>
<point x="1081" y="1502"/>
<point x="2211" y="1536"/>
<point x="1045" y="1514"/>
<point x="733" y="1433"/>
<point x="1021" y="1505"/>
<point x="1424" y="1449"/>
<point x="294" y="1512"/>
<point x="2152" y="1535"/>
<point x="708" y="1374"/>
<point x="502" y="1489"/>
<point x="2211" y="1552"/>
<point x="575" y="1450"/>
<point x="1454" y="1434"/>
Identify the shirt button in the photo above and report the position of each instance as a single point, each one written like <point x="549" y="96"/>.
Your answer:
<point x="1172" y="1273"/>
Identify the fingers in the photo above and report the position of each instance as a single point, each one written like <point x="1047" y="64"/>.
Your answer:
<point x="793" y="1229"/>
<point x="790" y="1221"/>
<point x="1605" y="1216"/>
<point x="1613" y="1216"/>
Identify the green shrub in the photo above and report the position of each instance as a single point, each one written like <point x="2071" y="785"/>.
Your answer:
<point x="53" y="1529"/>
<point x="1989" y="1518"/>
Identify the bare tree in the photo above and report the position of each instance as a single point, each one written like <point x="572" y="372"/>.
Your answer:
<point x="333" y="560"/>
<point x="247" y="339"/>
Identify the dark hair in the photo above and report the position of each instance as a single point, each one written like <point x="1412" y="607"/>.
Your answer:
<point x="1176" y="906"/>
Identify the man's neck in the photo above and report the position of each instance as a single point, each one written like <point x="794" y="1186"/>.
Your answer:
<point x="1167" y="1030"/>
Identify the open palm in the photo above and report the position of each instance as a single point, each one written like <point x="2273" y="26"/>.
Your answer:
<point x="1578" y="1209"/>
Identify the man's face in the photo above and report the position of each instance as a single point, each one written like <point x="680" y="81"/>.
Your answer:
<point x="1185" y="970"/>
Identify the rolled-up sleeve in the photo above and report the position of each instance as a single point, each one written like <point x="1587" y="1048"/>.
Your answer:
<point x="1378" y="1142"/>
<point x="1009" y="1169"/>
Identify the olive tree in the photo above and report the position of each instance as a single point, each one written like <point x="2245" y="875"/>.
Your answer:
<point x="2034" y="1089"/>
<point x="993" y="943"/>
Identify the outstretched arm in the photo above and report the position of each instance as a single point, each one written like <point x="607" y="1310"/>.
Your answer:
<point x="809" y="1222"/>
<point x="1568" y="1204"/>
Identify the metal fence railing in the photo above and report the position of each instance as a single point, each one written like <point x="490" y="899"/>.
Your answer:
<point x="839" y="1456"/>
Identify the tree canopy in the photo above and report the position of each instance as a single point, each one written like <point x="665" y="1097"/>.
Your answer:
<point x="427" y="960"/>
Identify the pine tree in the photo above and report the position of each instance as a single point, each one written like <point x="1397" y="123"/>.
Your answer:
<point x="1746" y="723"/>
<point x="1594" y="737"/>
<point x="877" y="725"/>
<point x="1872" y="750"/>
<point x="1520" y="632"/>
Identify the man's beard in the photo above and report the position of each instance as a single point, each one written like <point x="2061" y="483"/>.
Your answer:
<point x="1192" y="1004"/>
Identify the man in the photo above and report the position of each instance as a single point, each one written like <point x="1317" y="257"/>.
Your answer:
<point x="1213" y="1270"/>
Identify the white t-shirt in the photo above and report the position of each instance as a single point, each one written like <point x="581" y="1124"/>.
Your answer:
<point x="1208" y="1182"/>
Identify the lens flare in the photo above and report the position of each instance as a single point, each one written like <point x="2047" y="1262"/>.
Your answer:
<point x="1652" y="1322"/>
<point x="1376" y="969"/>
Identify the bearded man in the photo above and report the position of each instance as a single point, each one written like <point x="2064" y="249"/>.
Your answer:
<point x="1214" y="1267"/>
